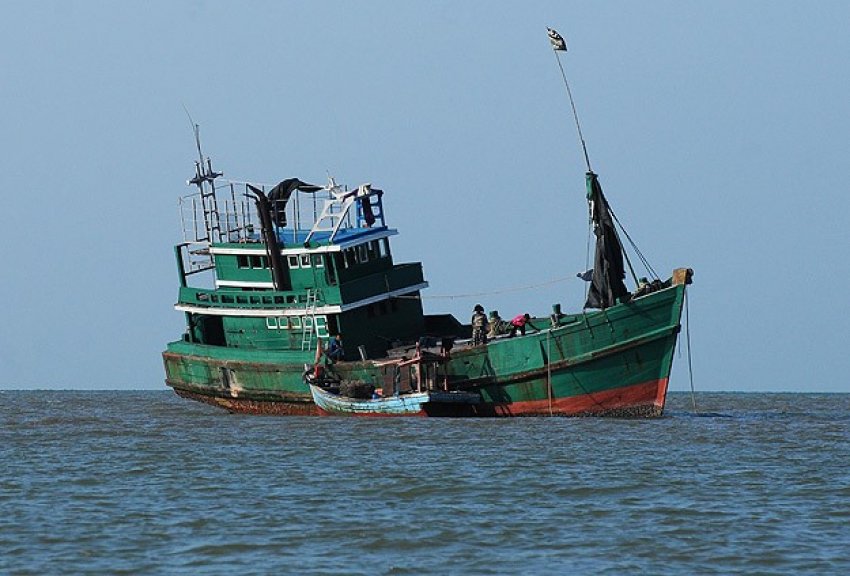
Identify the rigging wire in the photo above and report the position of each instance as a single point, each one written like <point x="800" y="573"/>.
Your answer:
<point x="631" y="268"/>
<point x="634" y="246"/>
<point x="490" y="293"/>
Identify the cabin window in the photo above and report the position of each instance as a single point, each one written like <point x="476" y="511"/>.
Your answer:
<point x="227" y="299"/>
<point x="242" y="261"/>
<point x="305" y="260"/>
<point x="295" y="322"/>
<point x="293" y="261"/>
<point x="241" y="300"/>
<point x="256" y="261"/>
<point x="271" y="323"/>
<point x="363" y="253"/>
<point x="318" y="262"/>
<point x="290" y="299"/>
<point x="330" y="273"/>
<point x="278" y="299"/>
<point x="349" y="257"/>
<point x="333" y="324"/>
<point x="264" y="262"/>
<point x="383" y="247"/>
<point x="321" y="326"/>
<point x="373" y="250"/>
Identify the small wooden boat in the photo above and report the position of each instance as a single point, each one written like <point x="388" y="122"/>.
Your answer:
<point x="428" y="403"/>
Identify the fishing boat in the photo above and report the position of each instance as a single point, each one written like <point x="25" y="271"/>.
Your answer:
<point x="430" y="403"/>
<point x="291" y="265"/>
<point x="415" y="390"/>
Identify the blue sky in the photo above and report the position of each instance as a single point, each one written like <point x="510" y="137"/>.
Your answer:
<point x="719" y="131"/>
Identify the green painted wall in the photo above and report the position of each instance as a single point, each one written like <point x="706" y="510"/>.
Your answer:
<point x="379" y="325"/>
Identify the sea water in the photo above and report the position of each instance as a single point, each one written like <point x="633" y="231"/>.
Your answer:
<point x="147" y="483"/>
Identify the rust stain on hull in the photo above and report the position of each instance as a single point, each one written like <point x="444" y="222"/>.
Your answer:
<point x="247" y="406"/>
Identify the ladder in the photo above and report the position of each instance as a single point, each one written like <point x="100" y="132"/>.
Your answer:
<point x="212" y="222"/>
<point x="310" y="309"/>
<point x="335" y="210"/>
<point x="332" y="216"/>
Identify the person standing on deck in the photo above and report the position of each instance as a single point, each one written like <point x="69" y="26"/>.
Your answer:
<point x="479" y="326"/>
<point x="519" y="322"/>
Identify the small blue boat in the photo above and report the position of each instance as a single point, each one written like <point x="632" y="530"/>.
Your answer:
<point x="429" y="403"/>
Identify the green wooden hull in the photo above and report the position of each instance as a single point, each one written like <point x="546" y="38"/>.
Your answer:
<point x="611" y="362"/>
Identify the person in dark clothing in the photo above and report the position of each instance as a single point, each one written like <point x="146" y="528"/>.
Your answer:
<point x="335" y="351"/>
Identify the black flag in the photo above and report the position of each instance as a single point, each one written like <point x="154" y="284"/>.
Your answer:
<point x="558" y="43"/>
<point x="606" y="285"/>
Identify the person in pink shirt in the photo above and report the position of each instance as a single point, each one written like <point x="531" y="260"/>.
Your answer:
<point x="519" y="322"/>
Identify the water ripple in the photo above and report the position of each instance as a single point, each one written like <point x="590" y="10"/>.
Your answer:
<point x="147" y="483"/>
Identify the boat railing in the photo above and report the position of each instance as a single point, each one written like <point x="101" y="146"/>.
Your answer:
<point x="225" y="211"/>
<point x="307" y="302"/>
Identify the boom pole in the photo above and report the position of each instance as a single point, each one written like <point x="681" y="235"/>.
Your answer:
<point x="559" y="45"/>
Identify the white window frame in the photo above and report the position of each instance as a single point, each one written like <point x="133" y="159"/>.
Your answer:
<point x="322" y="326"/>
<point x="293" y="261"/>
<point x="305" y="261"/>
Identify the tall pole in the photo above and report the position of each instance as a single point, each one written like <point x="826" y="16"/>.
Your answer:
<point x="559" y="45"/>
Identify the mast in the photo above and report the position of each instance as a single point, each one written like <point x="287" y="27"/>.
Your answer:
<point x="560" y="45"/>
<point x="204" y="179"/>
<point x="606" y="282"/>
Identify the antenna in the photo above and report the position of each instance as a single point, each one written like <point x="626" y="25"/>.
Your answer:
<point x="204" y="173"/>
<point x="560" y="45"/>
<point x="196" y="130"/>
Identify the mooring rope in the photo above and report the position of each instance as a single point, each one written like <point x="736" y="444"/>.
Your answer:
<point x="549" y="368"/>
<point x="688" y="338"/>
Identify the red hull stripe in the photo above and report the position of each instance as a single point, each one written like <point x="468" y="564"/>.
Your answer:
<point x="647" y="395"/>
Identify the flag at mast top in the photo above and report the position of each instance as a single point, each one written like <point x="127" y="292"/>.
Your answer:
<point x="558" y="42"/>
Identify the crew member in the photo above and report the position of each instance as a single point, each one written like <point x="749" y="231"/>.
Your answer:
<point x="496" y="323"/>
<point x="335" y="351"/>
<point x="519" y="322"/>
<point x="479" y="326"/>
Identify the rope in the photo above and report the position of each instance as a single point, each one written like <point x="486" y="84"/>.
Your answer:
<point x="549" y="368"/>
<point x="640" y="255"/>
<point x="587" y="254"/>
<point x="491" y="293"/>
<point x="690" y="365"/>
